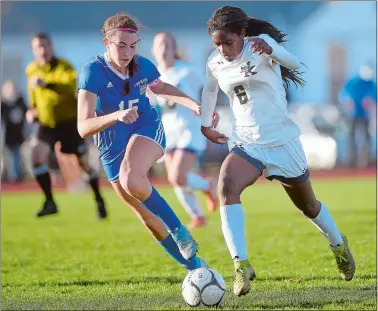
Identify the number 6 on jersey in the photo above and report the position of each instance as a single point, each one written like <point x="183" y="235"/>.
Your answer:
<point x="241" y="94"/>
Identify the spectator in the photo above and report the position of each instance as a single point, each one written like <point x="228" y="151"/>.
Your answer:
<point x="13" y="110"/>
<point x="358" y="100"/>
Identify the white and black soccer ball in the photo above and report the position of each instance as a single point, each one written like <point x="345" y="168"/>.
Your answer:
<point x="203" y="286"/>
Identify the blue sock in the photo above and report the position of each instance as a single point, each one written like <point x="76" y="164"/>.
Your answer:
<point x="171" y="248"/>
<point x="158" y="206"/>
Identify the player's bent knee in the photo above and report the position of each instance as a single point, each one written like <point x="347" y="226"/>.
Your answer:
<point x="133" y="186"/>
<point x="177" y="179"/>
<point x="125" y="183"/>
<point x="39" y="154"/>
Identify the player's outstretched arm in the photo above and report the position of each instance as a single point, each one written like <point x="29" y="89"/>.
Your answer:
<point x="173" y="94"/>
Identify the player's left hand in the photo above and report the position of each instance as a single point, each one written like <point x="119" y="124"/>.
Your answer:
<point x="214" y="136"/>
<point x="35" y="81"/>
<point x="260" y="46"/>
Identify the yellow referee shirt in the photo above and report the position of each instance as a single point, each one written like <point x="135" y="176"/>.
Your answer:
<point x="56" y="102"/>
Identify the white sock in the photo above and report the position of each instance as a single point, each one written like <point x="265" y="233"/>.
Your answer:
<point x="195" y="181"/>
<point x="233" y="230"/>
<point x="327" y="226"/>
<point x="189" y="201"/>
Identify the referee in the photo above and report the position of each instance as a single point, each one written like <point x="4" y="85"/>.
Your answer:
<point x="53" y="105"/>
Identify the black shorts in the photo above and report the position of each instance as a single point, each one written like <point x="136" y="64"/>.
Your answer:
<point x="67" y="134"/>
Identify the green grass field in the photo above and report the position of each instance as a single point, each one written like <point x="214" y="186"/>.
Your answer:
<point x="72" y="261"/>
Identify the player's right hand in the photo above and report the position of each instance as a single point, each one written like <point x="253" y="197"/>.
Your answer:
<point x="31" y="115"/>
<point x="128" y="115"/>
<point x="35" y="82"/>
<point x="197" y="110"/>
<point x="214" y="136"/>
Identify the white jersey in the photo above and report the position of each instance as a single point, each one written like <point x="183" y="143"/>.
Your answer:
<point x="182" y="125"/>
<point x="186" y="80"/>
<point x="257" y="96"/>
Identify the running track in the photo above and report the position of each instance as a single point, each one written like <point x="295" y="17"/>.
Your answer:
<point x="334" y="174"/>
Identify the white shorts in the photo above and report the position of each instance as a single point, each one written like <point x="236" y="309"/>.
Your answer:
<point x="185" y="137"/>
<point x="286" y="163"/>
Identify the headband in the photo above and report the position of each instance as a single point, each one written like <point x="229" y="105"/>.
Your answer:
<point x="122" y="29"/>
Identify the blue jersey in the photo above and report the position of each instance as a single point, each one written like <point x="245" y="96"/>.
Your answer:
<point x="358" y="89"/>
<point x="99" y="77"/>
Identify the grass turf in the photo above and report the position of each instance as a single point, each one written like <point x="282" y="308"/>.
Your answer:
<point x="72" y="261"/>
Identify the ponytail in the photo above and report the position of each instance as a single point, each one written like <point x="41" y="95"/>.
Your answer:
<point x="133" y="67"/>
<point x="257" y="27"/>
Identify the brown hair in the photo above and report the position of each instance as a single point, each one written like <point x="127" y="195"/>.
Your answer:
<point x="234" y="19"/>
<point x="41" y="35"/>
<point x="122" y="20"/>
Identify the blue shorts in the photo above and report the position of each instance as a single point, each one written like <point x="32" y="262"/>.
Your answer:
<point x="152" y="129"/>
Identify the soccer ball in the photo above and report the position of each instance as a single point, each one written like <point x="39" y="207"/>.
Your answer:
<point x="203" y="285"/>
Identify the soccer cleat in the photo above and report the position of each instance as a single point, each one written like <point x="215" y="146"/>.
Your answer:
<point x="187" y="245"/>
<point x="49" y="208"/>
<point x="101" y="210"/>
<point x="211" y="196"/>
<point x="345" y="260"/>
<point x="243" y="274"/>
<point x="197" y="222"/>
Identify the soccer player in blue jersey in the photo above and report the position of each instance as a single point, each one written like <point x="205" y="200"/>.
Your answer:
<point x="112" y="105"/>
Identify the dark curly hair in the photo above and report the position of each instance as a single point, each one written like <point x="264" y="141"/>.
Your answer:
<point x="234" y="19"/>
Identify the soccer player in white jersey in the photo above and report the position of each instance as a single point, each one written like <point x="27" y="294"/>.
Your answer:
<point x="185" y="143"/>
<point x="251" y="67"/>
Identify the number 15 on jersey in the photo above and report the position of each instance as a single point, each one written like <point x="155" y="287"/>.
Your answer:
<point x="130" y="104"/>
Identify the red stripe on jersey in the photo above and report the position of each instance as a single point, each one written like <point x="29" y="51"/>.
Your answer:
<point x="154" y="83"/>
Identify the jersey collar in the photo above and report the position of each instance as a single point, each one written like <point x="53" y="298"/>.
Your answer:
<point x="123" y="77"/>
